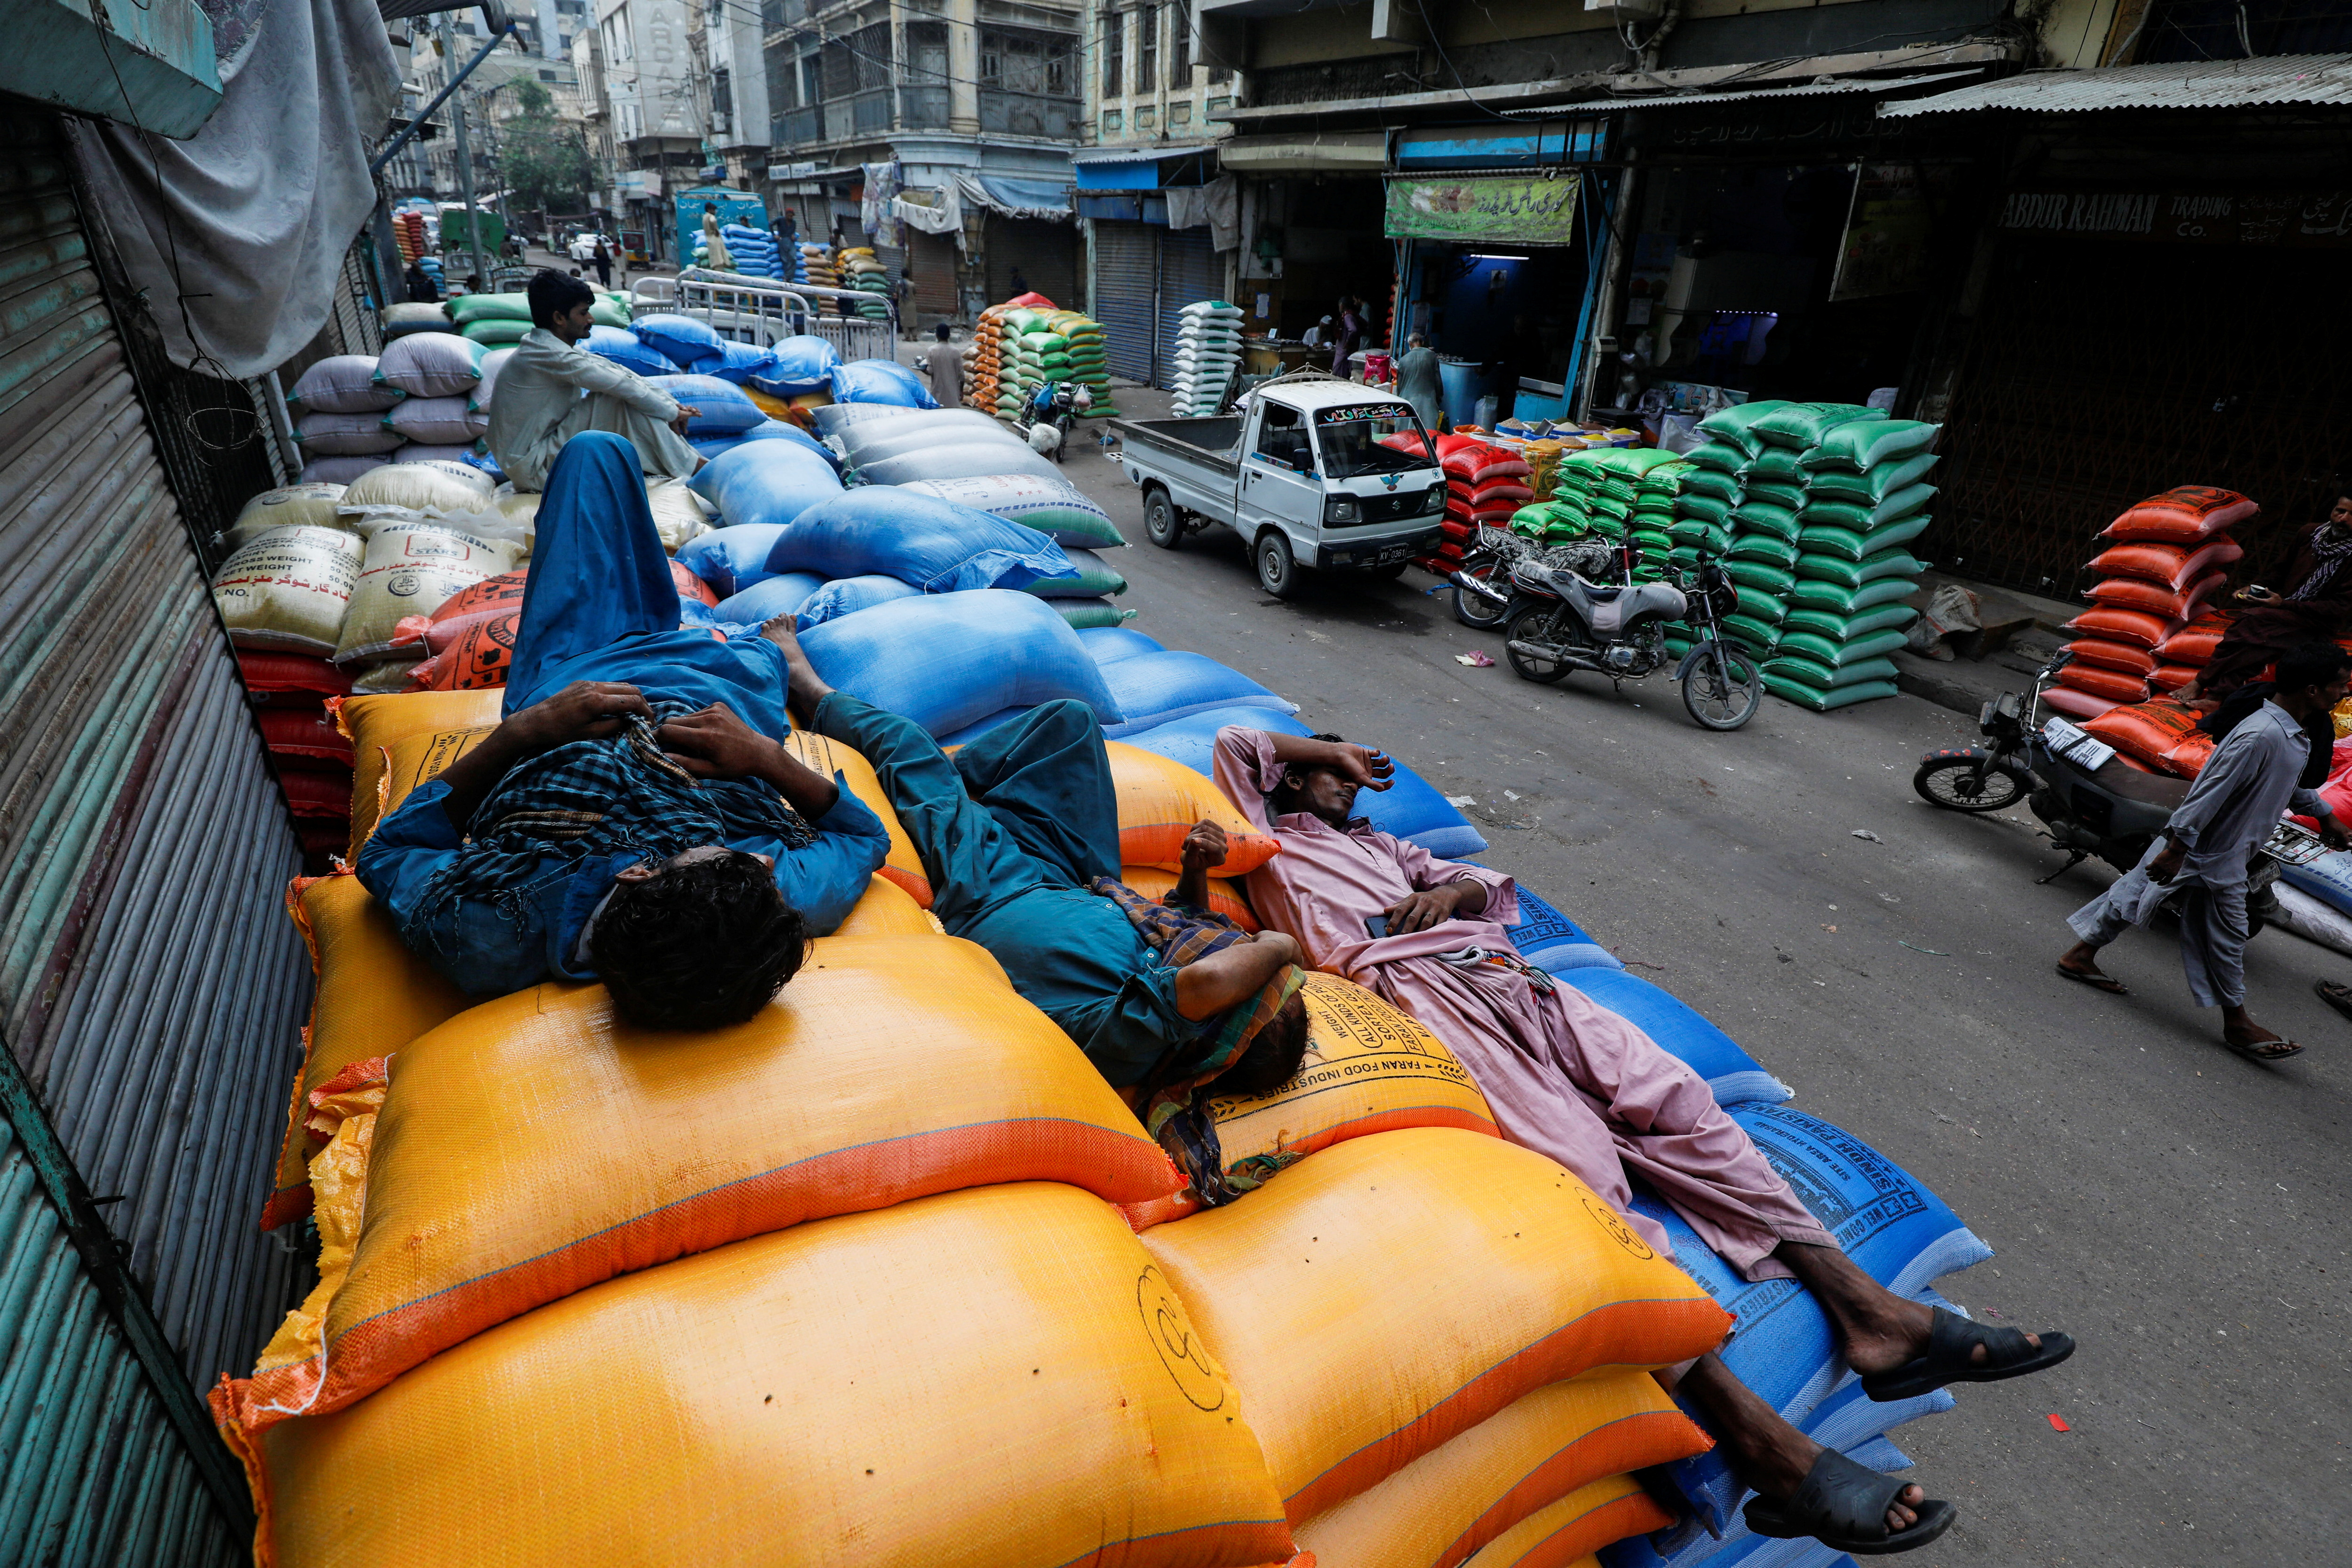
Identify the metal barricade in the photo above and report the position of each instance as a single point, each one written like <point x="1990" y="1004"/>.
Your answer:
<point x="763" y="311"/>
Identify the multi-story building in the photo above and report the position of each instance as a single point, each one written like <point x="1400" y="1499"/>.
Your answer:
<point x="966" y="112"/>
<point x="656" y="116"/>
<point x="732" y="75"/>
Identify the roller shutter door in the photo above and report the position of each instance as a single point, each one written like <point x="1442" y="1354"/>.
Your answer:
<point x="1045" y="253"/>
<point x="933" y="257"/>
<point x="1127" y="272"/>
<point x="1190" y="272"/>
<point x="152" y="989"/>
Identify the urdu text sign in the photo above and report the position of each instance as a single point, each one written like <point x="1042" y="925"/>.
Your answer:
<point x="1512" y="209"/>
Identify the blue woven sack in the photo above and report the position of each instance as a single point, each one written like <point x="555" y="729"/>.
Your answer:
<point x="720" y="406"/>
<point x="618" y="344"/>
<point x="801" y="366"/>
<point x="880" y="380"/>
<point x="782" y="595"/>
<point x="1732" y="1076"/>
<point x="947" y="659"/>
<point x="683" y="339"/>
<point x="765" y="482"/>
<point x="1154" y="688"/>
<point x="930" y="545"/>
<point x="847" y="596"/>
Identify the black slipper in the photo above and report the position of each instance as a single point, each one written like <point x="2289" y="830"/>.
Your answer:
<point x="1951" y="1341"/>
<point x="1843" y="1506"/>
<point x="2106" y="983"/>
<point x="2264" y="1050"/>
<point x="2336" y="993"/>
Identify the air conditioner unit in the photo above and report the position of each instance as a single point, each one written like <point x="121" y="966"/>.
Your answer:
<point x="718" y="123"/>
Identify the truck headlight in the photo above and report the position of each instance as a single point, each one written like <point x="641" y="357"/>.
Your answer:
<point x="1434" y="498"/>
<point x="1341" y="509"/>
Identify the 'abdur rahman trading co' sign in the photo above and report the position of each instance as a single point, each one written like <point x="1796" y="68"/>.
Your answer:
<point x="2185" y="217"/>
<point x="1521" y="210"/>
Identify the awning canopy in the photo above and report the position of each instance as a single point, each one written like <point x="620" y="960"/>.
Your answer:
<point x="2275" y="81"/>
<point x="1011" y="196"/>
<point x="1842" y="86"/>
<point x="1363" y="151"/>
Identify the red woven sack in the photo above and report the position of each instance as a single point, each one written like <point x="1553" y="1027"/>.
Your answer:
<point x="2183" y="516"/>
<point x="297" y="679"/>
<point x="2147" y="731"/>
<point x="308" y="733"/>
<point x="2121" y="656"/>
<point x="2111" y="684"/>
<point x="2174" y="565"/>
<point x="1497" y="491"/>
<point x="2076" y="704"/>
<point x="316" y="790"/>
<point x="2188" y="757"/>
<point x="2121" y="626"/>
<point x="2139" y="593"/>
<point x="2171" y="678"/>
<point x="2194" y="643"/>
<point x="690" y="586"/>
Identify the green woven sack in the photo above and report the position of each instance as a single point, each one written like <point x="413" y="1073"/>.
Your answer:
<point x="1802" y="425"/>
<point x="1762" y="517"/>
<point x="1734" y="426"/>
<point x="1862" y="519"/>
<point x="1760" y="576"/>
<point x="1839" y="543"/>
<point x="1756" y="637"/>
<point x="1765" y="608"/>
<point x="1835" y="653"/>
<point x="1718" y="455"/>
<point x="1706" y="509"/>
<point x="496" y="331"/>
<point x="1869" y="488"/>
<point x="1844" y="628"/>
<point x="1864" y="444"/>
<point x="1652" y="541"/>
<point x="1708" y="482"/>
<point x="1762" y="548"/>
<point x="1805" y="696"/>
<point x="467" y="308"/>
<point x="1683" y="557"/>
<point x="609" y="314"/>
<point x="1085" y="615"/>
<point x="1791" y="496"/>
<point x="1826" y="678"/>
<point x="1814" y="592"/>
<point x="1700" y="535"/>
<point x="1773" y="466"/>
<point x="1895" y="563"/>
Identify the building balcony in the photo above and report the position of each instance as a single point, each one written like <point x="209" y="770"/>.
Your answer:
<point x="1031" y="114"/>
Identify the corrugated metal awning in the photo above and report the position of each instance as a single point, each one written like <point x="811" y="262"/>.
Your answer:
<point x="1843" y="85"/>
<point x="2278" y="81"/>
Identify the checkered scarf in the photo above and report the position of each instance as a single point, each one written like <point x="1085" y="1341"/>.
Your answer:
<point x="621" y="795"/>
<point x="1169" y="1099"/>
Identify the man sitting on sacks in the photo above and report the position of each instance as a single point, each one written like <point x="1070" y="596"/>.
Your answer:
<point x="1570" y="1080"/>
<point x="626" y="822"/>
<point x="551" y="389"/>
<point x="1019" y="835"/>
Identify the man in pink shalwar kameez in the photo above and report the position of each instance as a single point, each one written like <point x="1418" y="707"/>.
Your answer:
<point x="1575" y="1081"/>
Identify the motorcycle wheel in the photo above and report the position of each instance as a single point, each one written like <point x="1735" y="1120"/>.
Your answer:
<point x="1478" y="614"/>
<point x="1533" y="619"/>
<point x="1951" y="783"/>
<point x="1723" y="687"/>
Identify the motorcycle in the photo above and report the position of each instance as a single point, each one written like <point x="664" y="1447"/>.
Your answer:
<point x="1558" y="620"/>
<point x="2088" y="800"/>
<point x="1477" y="602"/>
<point x="1052" y="412"/>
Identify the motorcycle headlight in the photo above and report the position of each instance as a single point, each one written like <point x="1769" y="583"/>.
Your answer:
<point x="1341" y="509"/>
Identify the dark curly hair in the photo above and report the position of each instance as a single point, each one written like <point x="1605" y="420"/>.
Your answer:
<point x="697" y="946"/>
<point x="551" y="294"/>
<point x="1282" y="798"/>
<point x="1273" y="1057"/>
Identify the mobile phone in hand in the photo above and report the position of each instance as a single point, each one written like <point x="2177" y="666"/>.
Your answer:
<point x="1378" y="925"/>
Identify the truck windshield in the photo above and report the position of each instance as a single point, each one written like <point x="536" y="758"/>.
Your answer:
<point x="1372" y="439"/>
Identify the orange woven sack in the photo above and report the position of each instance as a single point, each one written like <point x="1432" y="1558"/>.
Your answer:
<point x="2075" y="704"/>
<point x="2149" y="731"/>
<point x="1438" y="1510"/>
<point x="2121" y="625"/>
<point x="2111" y="684"/>
<point x="998" y="1376"/>
<point x="1390" y="1294"/>
<point x="1226" y="897"/>
<point x="1159" y="801"/>
<point x="1370" y="1066"/>
<point x="2107" y="655"/>
<point x="2188" y="515"/>
<point x="690" y="586"/>
<point x="536" y="1145"/>
<point x="376" y="723"/>
<point x="2187" y="758"/>
<point x="503" y="592"/>
<point x="472" y="653"/>
<point x="370" y="996"/>
<point x="2174" y="565"/>
<point x="2171" y="678"/>
<point x="830" y="757"/>
<point x="2194" y="643"/>
<point x="1568" y="1533"/>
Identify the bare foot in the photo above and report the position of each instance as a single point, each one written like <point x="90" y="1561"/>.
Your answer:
<point x="2250" y="1039"/>
<point x="805" y="689"/>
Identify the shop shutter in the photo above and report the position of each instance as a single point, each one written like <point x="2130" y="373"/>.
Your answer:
<point x="152" y="989"/>
<point x="934" y="259"/>
<point x="1126" y="270"/>
<point x="1190" y="272"/>
<point x="1045" y="253"/>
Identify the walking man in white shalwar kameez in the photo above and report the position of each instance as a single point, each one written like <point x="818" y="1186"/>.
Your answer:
<point x="2253" y="776"/>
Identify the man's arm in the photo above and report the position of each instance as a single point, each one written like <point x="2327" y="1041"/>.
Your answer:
<point x="1203" y="848"/>
<point x="583" y="711"/>
<point x="715" y="744"/>
<point x="596" y="373"/>
<point x="1231" y="976"/>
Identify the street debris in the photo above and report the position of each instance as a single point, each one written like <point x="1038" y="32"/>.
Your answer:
<point x="1867" y="833"/>
<point x="1474" y="660"/>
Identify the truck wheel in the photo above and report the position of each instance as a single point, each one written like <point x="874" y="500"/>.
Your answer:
<point x="1162" y="523"/>
<point x="1277" y="569"/>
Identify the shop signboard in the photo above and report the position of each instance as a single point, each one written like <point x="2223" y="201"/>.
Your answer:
<point x="1514" y="209"/>
<point x="2185" y="217"/>
<point x="1884" y="250"/>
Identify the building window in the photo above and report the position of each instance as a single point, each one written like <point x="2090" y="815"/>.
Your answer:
<point x="722" y="92"/>
<point x="1180" y="46"/>
<point x="1147" y="116"/>
<point x="1180" y="112"/>
<point x="547" y="76"/>
<point x="1114" y="61"/>
<point x="1059" y="60"/>
<point x="811" y="80"/>
<point x="1146" y="50"/>
<point x="1111" y="122"/>
<point x="1219" y="105"/>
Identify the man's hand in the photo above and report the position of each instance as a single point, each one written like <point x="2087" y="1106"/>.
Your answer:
<point x="2167" y="866"/>
<point x="2332" y="834"/>
<point x="583" y="711"/>
<point x="713" y="743"/>
<point x="1361" y="765"/>
<point x="2255" y="593"/>
<point x="1204" y="848"/>
<point x="1419" y="912"/>
<point x="685" y="412"/>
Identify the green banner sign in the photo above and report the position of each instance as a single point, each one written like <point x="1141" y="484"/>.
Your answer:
<point x="1514" y="209"/>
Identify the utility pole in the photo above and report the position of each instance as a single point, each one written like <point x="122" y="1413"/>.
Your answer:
<point x="464" y="160"/>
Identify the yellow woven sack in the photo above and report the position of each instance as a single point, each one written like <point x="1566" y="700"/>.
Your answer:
<point x="1370" y="1067"/>
<point x="1446" y="1505"/>
<point x="375" y="724"/>
<point x="537" y="1145"/>
<point x="1159" y="801"/>
<point x="372" y="997"/>
<point x="829" y="756"/>
<point x="1568" y="1533"/>
<point x="888" y="910"/>
<point x="992" y="1377"/>
<point x="1226" y="897"/>
<point x="1392" y="1292"/>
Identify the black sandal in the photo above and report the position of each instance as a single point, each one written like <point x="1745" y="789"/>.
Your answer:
<point x="2336" y="993"/>
<point x="1952" y="1343"/>
<point x="1843" y="1506"/>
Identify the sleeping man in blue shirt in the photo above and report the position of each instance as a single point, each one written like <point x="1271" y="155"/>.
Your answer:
<point x="635" y="818"/>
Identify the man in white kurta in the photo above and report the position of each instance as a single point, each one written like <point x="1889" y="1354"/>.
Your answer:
<point x="551" y="389"/>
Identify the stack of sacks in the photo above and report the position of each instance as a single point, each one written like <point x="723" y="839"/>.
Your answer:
<point x="338" y="407"/>
<point x="1088" y="363"/>
<point x="417" y="405"/>
<point x="1543" y="455"/>
<point x="983" y="363"/>
<point x="413" y="565"/>
<point x="408" y="233"/>
<point x="625" y="348"/>
<point x="684" y="342"/>
<point x="491" y="319"/>
<point x="1485" y="485"/>
<point x="817" y="266"/>
<point x="1794" y="542"/>
<point x="753" y="249"/>
<point x="1654" y="493"/>
<point x="2168" y="555"/>
<point x="865" y="272"/>
<point x="1208" y="355"/>
<point x="722" y="410"/>
<point x="1862" y="503"/>
<point x="880" y="380"/>
<point x="960" y="663"/>
<point x="2183" y="656"/>
<point x="1025" y="343"/>
<point x="800" y="371"/>
<point x="2157" y="734"/>
<point x="408" y="316"/>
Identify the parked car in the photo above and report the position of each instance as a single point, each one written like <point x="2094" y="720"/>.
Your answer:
<point x="584" y="246"/>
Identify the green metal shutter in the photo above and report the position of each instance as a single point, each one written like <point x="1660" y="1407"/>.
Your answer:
<point x="152" y="989"/>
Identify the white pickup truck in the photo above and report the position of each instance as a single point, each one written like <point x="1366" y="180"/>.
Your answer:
<point x="1314" y="473"/>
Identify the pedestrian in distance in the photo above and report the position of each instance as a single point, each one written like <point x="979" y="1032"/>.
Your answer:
<point x="1580" y="1084"/>
<point x="945" y="367"/>
<point x="420" y="287"/>
<point x="715" y="254"/>
<point x="2255" y="773"/>
<point x="603" y="262"/>
<point x="1417" y="381"/>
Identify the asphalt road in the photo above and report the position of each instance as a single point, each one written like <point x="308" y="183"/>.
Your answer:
<point x="2183" y="1213"/>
